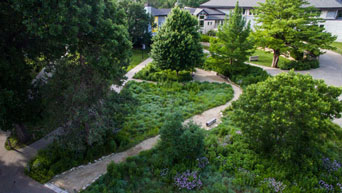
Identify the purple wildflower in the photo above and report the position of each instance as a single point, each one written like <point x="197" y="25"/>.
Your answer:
<point x="238" y="132"/>
<point x="188" y="180"/>
<point x="202" y="162"/>
<point x="326" y="186"/>
<point x="275" y="185"/>
<point x="331" y="166"/>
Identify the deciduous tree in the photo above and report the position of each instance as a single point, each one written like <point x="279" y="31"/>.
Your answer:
<point x="177" y="44"/>
<point x="290" y="26"/>
<point x="288" y="116"/>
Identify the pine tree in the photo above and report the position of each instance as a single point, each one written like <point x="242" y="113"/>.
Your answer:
<point x="177" y="44"/>
<point x="233" y="45"/>
<point x="291" y="26"/>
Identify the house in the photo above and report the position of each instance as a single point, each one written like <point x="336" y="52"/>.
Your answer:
<point x="208" y="19"/>
<point x="331" y="11"/>
<point x="212" y="13"/>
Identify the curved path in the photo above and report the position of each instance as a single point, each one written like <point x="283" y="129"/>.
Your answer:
<point x="82" y="176"/>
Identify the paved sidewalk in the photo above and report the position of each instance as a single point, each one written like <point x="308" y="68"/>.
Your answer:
<point x="131" y="73"/>
<point x="13" y="164"/>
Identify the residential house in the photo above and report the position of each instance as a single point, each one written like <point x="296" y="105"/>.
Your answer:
<point x="212" y="13"/>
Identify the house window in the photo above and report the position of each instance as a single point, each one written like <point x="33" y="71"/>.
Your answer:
<point x="201" y="23"/>
<point x="339" y="14"/>
<point x="243" y="11"/>
<point x="201" y="16"/>
<point x="331" y="14"/>
<point x="251" y="12"/>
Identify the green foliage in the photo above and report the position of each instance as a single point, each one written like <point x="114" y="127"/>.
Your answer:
<point x="205" y="38"/>
<point x="176" y="45"/>
<point x="211" y="33"/>
<point x="140" y="110"/>
<point x="291" y="26"/>
<point x="12" y="143"/>
<point x="157" y="100"/>
<point x="152" y="73"/>
<point x="288" y="116"/>
<point x="232" y="46"/>
<point x="137" y="21"/>
<point x="180" y="143"/>
<point x="18" y="46"/>
<point x="105" y="139"/>
<point x="299" y="65"/>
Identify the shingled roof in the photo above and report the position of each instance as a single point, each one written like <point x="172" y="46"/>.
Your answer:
<point x="254" y="3"/>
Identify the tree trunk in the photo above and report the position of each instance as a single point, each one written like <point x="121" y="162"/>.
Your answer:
<point x="177" y="73"/>
<point x="276" y="54"/>
<point x="21" y="132"/>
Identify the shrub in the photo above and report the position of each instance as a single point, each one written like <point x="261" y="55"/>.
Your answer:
<point x="181" y="143"/>
<point x="299" y="65"/>
<point x="248" y="75"/>
<point x="211" y="33"/>
<point x="153" y="73"/>
<point x="288" y="116"/>
<point x="205" y="38"/>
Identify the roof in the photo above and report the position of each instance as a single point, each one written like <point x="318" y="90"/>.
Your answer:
<point x="254" y="3"/>
<point x="159" y="12"/>
<point x="208" y="11"/>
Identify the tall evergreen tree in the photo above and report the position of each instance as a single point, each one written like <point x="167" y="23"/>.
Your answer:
<point x="233" y="44"/>
<point x="177" y="44"/>
<point x="291" y="26"/>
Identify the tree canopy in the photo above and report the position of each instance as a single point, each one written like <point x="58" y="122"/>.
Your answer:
<point x="176" y="45"/>
<point x="288" y="116"/>
<point x="83" y="43"/>
<point x="138" y="22"/>
<point x="232" y="46"/>
<point x="291" y="26"/>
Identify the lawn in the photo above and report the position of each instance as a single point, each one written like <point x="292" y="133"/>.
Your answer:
<point x="265" y="58"/>
<point x="338" y="46"/>
<point x="152" y="102"/>
<point x="137" y="57"/>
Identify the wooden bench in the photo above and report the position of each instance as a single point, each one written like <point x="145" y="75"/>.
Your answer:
<point x="211" y="122"/>
<point x="254" y="58"/>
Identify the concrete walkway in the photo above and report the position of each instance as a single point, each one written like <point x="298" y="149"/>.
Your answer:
<point x="82" y="176"/>
<point x="130" y="74"/>
<point x="13" y="164"/>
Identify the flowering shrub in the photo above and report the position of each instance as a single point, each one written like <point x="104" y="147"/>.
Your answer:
<point x="188" y="180"/>
<point x="275" y="185"/>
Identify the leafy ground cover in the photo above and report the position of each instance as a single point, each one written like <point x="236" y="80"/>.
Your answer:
<point x="227" y="165"/>
<point x="151" y="103"/>
<point x="265" y="58"/>
<point x="158" y="100"/>
<point x="152" y="73"/>
<point x="137" y="57"/>
<point x="338" y="46"/>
